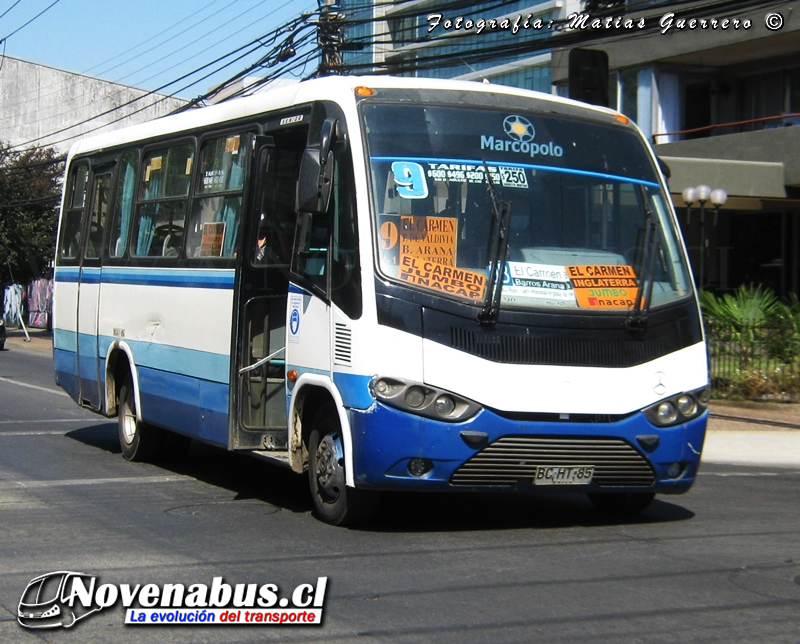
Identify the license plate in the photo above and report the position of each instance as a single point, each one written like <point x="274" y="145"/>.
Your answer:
<point x="563" y="474"/>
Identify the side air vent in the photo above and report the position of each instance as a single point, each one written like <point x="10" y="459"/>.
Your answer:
<point x="343" y="345"/>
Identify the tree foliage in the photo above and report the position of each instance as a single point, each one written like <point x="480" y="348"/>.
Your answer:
<point x="30" y="184"/>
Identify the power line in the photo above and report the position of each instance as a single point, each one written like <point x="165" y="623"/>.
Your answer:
<point x="38" y="15"/>
<point x="151" y="38"/>
<point x="3" y="15"/>
<point x="264" y="17"/>
<point x="36" y="93"/>
<point x="253" y="46"/>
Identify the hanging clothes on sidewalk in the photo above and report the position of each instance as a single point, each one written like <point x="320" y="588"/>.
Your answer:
<point x="12" y="304"/>
<point x="40" y="299"/>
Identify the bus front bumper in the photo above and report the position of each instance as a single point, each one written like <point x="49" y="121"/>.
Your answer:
<point x="394" y="450"/>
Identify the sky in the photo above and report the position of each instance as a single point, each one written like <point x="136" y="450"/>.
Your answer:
<point x="143" y="43"/>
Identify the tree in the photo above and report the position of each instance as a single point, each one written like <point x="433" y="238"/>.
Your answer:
<point x="30" y="185"/>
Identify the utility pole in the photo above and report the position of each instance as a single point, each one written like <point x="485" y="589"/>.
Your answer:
<point x="330" y="37"/>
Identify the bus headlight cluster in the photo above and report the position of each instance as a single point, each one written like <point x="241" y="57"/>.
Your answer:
<point x="679" y="408"/>
<point x="421" y="399"/>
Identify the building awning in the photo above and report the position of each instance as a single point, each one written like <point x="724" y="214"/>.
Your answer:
<point x="751" y="185"/>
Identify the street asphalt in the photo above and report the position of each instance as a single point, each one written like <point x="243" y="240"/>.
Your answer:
<point x="739" y="433"/>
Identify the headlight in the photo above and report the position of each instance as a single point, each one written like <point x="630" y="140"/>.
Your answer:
<point x="678" y="409"/>
<point x="686" y="405"/>
<point x="423" y="400"/>
<point x="666" y="413"/>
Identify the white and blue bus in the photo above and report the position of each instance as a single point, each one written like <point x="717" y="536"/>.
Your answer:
<point x="389" y="284"/>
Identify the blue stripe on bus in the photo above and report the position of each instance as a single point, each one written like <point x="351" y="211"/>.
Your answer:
<point x="67" y="274"/>
<point x="65" y="340"/>
<point x="354" y="389"/>
<point x="164" y="357"/>
<point x="187" y="278"/>
<point x="530" y="166"/>
<point x="90" y="275"/>
<point x="188" y="405"/>
<point x="192" y="406"/>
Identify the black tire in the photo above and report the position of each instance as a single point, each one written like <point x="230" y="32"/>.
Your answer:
<point x="138" y="440"/>
<point x="624" y="504"/>
<point x="334" y="502"/>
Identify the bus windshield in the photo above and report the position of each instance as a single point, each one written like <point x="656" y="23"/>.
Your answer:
<point x="584" y="221"/>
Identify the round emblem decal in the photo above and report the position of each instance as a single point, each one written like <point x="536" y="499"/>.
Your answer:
<point x="519" y="128"/>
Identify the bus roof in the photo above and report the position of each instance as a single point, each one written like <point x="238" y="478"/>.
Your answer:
<point x="329" y="87"/>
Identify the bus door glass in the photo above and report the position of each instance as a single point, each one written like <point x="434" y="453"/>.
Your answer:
<point x="261" y="390"/>
<point x="89" y="290"/>
<point x="68" y="260"/>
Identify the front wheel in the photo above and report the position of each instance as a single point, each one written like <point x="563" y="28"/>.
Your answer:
<point x="334" y="502"/>
<point x="138" y="440"/>
<point x="622" y="503"/>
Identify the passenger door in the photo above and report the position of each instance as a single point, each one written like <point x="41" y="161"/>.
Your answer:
<point x="259" y="391"/>
<point x="88" y="346"/>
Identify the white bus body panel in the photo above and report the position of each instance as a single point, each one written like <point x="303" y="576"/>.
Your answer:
<point x="564" y="390"/>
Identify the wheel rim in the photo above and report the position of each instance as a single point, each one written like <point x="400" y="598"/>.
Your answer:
<point x="329" y="469"/>
<point x="128" y="423"/>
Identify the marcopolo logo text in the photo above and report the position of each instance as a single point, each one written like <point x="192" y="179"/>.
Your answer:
<point x="520" y="133"/>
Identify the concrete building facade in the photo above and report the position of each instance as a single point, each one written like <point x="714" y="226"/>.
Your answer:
<point x="44" y="106"/>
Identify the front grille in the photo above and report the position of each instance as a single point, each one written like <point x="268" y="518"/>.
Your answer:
<point x="566" y="351"/>
<point x="509" y="459"/>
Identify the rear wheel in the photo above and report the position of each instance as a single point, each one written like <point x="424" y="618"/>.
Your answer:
<point x="138" y="440"/>
<point x="622" y="503"/>
<point x="334" y="502"/>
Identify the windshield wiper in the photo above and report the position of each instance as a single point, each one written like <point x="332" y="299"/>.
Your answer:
<point x="637" y="319"/>
<point x="497" y="252"/>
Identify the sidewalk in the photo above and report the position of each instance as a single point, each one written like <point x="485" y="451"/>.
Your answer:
<point x="41" y="340"/>
<point x="751" y="433"/>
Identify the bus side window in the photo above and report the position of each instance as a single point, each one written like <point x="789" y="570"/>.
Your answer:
<point x="216" y="212"/>
<point x="161" y="213"/>
<point x="123" y="206"/>
<point x="98" y="216"/>
<point x="73" y="216"/>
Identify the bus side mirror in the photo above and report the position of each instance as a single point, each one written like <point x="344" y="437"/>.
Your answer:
<point x="316" y="172"/>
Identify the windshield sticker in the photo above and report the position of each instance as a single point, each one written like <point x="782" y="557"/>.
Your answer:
<point x="513" y="177"/>
<point x="443" y="279"/>
<point x="537" y="284"/>
<point x="409" y="177"/>
<point x="431" y="239"/>
<point x="604" y="287"/>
